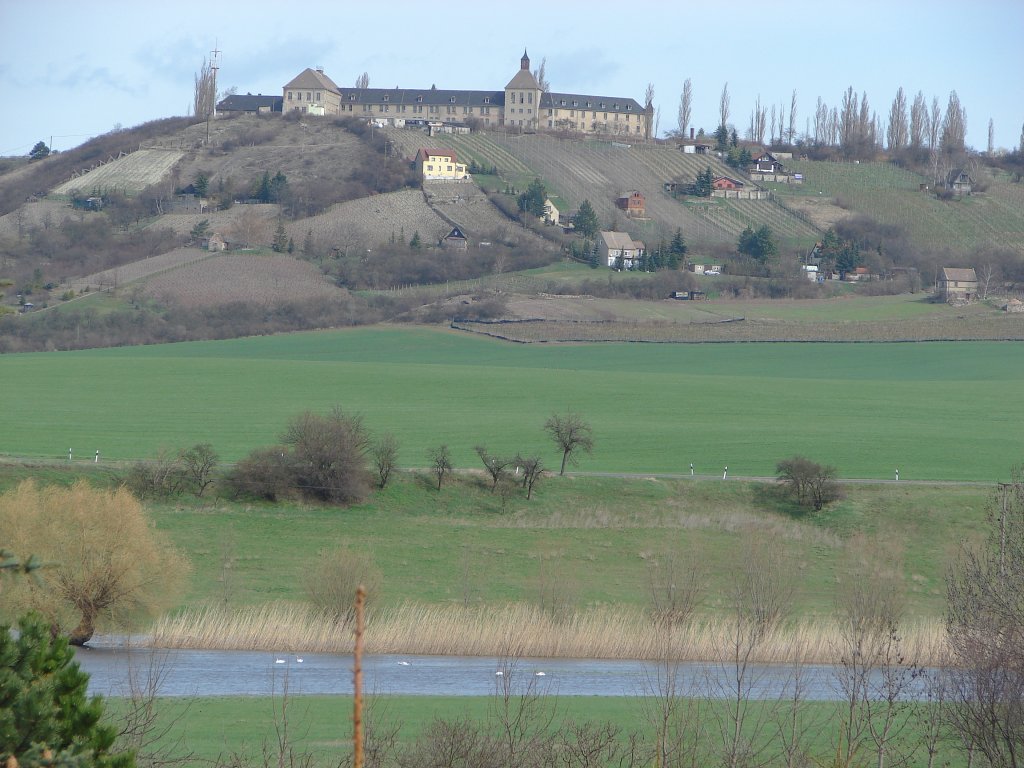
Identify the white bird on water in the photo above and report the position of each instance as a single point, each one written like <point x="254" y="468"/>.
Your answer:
<point x="403" y="663"/>
<point x="298" y="659"/>
<point x="539" y="674"/>
<point x="279" y="661"/>
<point x="499" y="673"/>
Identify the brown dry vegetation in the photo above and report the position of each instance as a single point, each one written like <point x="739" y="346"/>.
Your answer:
<point x="259" y="280"/>
<point x="535" y="632"/>
<point x="372" y="221"/>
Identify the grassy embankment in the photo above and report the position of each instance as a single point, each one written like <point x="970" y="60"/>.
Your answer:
<point x="320" y="726"/>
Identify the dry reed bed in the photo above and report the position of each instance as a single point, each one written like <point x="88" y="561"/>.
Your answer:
<point x="988" y="328"/>
<point x="514" y="630"/>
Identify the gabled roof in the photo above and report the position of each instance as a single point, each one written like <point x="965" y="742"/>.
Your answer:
<point x="424" y="153"/>
<point x="737" y="182"/>
<point x="455" y="234"/>
<point x="956" y="274"/>
<point x="620" y="241"/>
<point x="313" y="78"/>
<point x="523" y="80"/>
<point x="956" y="173"/>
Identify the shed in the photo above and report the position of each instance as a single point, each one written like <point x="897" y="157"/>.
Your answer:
<point x="956" y="284"/>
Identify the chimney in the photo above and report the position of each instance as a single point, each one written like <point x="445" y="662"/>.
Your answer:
<point x="691" y="132"/>
<point x="320" y="69"/>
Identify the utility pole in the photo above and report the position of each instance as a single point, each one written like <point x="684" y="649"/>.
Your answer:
<point x="214" y="66"/>
<point x="357" y="682"/>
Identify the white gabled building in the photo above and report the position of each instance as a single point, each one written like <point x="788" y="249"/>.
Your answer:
<point x="619" y="249"/>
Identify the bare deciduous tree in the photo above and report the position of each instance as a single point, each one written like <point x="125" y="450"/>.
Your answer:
<point x="198" y="464"/>
<point x="897" y="135"/>
<point x="440" y="463"/>
<point x="685" y="107"/>
<point x="363" y="81"/>
<point x="991" y="137"/>
<point x="934" y="124"/>
<point x="533" y="470"/>
<point x="571" y="434"/>
<point x="677" y="583"/>
<point x="541" y="75"/>
<point x="329" y="455"/>
<point x="495" y="466"/>
<point x="761" y="597"/>
<point x="985" y="620"/>
<point x="205" y="93"/>
<point x="809" y="483"/>
<point x="384" y="453"/>
<point x="918" y="121"/>
<point x="792" y="118"/>
<point x="723" y="106"/>
<point x="954" y="126"/>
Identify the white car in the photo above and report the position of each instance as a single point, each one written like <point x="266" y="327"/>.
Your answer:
<point x="712" y="272"/>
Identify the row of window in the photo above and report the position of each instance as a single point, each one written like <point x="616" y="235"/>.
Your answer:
<point x="572" y="113"/>
<point x="310" y="96"/>
<point x="594" y="126"/>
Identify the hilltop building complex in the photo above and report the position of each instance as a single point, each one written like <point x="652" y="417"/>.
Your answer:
<point x="521" y="104"/>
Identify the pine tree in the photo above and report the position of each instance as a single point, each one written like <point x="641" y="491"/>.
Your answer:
<point x="416" y="243"/>
<point x="291" y="245"/>
<point x="280" y="243"/>
<point x="585" y="220"/>
<point x="46" y="715"/>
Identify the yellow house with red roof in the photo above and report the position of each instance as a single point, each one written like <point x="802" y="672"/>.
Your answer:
<point x="439" y="164"/>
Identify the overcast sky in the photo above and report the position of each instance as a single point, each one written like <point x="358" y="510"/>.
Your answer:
<point x="72" y="70"/>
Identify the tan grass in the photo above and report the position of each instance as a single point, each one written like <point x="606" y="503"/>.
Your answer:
<point x="515" y="629"/>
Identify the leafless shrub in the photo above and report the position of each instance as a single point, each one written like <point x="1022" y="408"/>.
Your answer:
<point x="332" y="581"/>
<point x="266" y="473"/>
<point x="385" y="457"/>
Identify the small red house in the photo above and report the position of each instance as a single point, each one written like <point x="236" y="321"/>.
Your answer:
<point x="633" y="204"/>
<point x="726" y="182"/>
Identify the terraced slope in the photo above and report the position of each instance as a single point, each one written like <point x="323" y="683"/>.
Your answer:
<point x="129" y="174"/>
<point x="892" y="195"/>
<point x="600" y="171"/>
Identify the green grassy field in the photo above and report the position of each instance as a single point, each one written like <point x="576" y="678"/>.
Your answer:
<point x="320" y="726"/>
<point x="937" y="410"/>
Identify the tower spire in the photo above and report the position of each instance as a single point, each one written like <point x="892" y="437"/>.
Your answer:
<point x="524" y="63"/>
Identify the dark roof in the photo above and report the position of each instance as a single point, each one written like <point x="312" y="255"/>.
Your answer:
<point x="596" y="103"/>
<point x="432" y="96"/>
<point x="455" y="234"/>
<point x="438" y="97"/>
<point x="249" y="103"/>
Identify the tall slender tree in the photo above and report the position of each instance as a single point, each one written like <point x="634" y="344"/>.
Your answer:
<point x="897" y="135"/>
<point x="918" y="121"/>
<point x="685" y="107"/>
<point x="204" y="94"/>
<point x="954" y="126"/>
<point x="934" y="124"/>
<point x="723" y="106"/>
<point x="991" y="137"/>
<point x="792" y="117"/>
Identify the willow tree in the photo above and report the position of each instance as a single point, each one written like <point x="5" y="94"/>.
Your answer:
<point x="110" y="566"/>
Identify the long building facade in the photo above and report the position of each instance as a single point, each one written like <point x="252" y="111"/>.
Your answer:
<point x="522" y="105"/>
